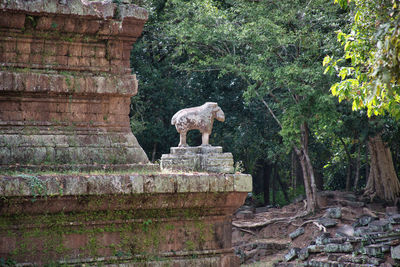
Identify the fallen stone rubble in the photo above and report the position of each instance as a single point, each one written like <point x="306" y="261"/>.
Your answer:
<point x="257" y="250"/>
<point x="369" y="241"/>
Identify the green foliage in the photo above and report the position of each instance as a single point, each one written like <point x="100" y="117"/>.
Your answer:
<point x="166" y="86"/>
<point x="7" y="262"/>
<point x="295" y="192"/>
<point x="146" y="224"/>
<point x="258" y="199"/>
<point x="369" y="69"/>
<point x="247" y="55"/>
<point x="37" y="186"/>
<point x="274" y="53"/>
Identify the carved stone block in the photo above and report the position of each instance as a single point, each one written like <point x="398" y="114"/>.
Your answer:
<point x="201" y="158"/>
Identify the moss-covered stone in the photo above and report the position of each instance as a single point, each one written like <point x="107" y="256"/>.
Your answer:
<point x="106" y="218"/>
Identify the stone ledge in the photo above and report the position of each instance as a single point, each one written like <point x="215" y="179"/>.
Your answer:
<point x="31" y="82"/>
<point x="98" y="9"/>
<point x="217" y="257"/>
<point x="26" y="185"/>
<point x="123" y="168"/>
<point x="32" y="148"/>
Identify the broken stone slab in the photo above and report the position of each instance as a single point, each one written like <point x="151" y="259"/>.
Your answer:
<point x="303" y="254"/>
<point x="334" y="213"/>
<point x="335" y="248"/>
<point x="327" y="263"/>
<point x="322" y="239"/>
<point x="395" y="252"/>
<point x="298" y="232"/>
<point x="394" y="219"/>
<point x="345" y="230"/>
<point x="359" y="259"/>
<point x="337" y="240"/>
<point x="354" y="239"/>
<point x="315" y="248"/>
<point x="380" y="226"/>
<point x="292" y="254"/>
<point x="327" y="222"/>
<point x="374" y="250"/>
<point x="364" y="220"/>
<point x="263" y="244"/>
<point x="361" y="231"/>
<point x="383" y="237"/>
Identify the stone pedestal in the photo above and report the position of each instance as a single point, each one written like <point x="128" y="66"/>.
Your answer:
<point x="201" y="159"/>
<point x="66" y="82"/>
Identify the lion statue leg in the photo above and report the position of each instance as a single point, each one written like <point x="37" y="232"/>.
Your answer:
<point x="182" y="139"/>
<point x="205" y="139"/>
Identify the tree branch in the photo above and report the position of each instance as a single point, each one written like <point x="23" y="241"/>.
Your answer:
<point x="270" y="110"/>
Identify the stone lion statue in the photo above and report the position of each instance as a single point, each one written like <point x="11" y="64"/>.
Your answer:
<point x="197" y="118"/>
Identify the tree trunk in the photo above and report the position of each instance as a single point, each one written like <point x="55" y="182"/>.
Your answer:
<point x="313" y="206"/>
<point x="273" y="184"/>
<point x="294" y="171"/>
<point x="283" y="187"/>
<point x="267" y="177"/>
<point x="366" y="163"/>
<point x="308" y="171"/>
<point x="348" y="176"/>
<point x="349" y="164"/>
<point x="395" y="157"/>
<point x="357" y="166"/>
<point x="319" y="181"/>
<point x="382" y="181"/>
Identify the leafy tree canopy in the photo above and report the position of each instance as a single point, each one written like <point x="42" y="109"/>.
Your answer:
<point x="370" y="68"/>
<point x="274" y="47"/>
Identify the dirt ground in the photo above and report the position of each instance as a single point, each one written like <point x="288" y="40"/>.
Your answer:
<point x="261" y="237"/>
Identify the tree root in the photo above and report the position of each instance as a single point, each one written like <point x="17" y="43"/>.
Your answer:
<point x="267" y="222"/>
<point x="320" y="227"/>
<point x="246" y="231"/>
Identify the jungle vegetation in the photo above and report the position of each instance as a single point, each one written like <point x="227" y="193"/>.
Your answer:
<point x="310" y="90"/>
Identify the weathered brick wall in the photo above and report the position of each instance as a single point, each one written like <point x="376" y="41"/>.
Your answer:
<point x="66" y="82"/>
<point x="134" y="219"/>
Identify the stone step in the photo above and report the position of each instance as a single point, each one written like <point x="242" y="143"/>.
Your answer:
<point x="363" y="259"/>
<point x="264" y="244"/>
<point x="327" y="263"/>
